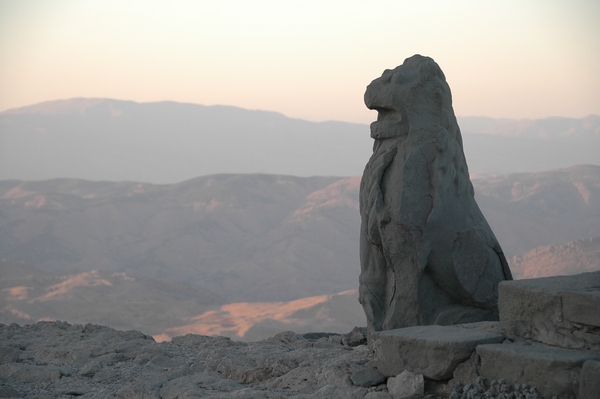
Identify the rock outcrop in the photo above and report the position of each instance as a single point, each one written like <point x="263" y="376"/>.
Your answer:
<point x="428" y="256"/>
<point x="57" y="359"/>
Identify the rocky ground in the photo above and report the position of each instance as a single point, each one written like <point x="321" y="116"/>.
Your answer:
<point x="57" y="359"/>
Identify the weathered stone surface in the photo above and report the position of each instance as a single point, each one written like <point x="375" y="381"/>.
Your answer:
<point x="433" y="351"/>
<point x="9" y="392"/>
<point x="589" y="381"/>
<point x="406" y="385"/>
<point x="428" y="256"/>
<point x="562" y="311"/>
<point x="97" y="362"/>
<point x="553" y="371"/>
<point x="27" y="373"/>
<point x="61" y="360"/>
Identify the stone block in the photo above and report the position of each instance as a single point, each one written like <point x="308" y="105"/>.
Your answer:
<point x="589" y="382"/>
<point x="553" y="371"/>
<point x="562" y="311"/>
<point x="433" y="351"/>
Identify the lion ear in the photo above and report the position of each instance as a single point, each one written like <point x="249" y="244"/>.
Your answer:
<point x="430" y="69"/>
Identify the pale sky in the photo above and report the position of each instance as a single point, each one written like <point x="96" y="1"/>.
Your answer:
<point x="306" y="59"/>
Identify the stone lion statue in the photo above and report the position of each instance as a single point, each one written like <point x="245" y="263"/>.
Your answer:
<point x="428" y="256"/>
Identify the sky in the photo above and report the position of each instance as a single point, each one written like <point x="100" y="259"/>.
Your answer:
<point x="306" y="59"/>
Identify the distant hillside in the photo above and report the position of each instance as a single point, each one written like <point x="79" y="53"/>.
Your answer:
<point x="164" y="308"/>
<point x="168" y="142"/>
<point x="29" y="294"/>
<point x="529" y="210"/>
<point x="561" y="259"/>
<point x="553" y="128"/>
<point x="246" y="237"/>
<point x="254" y="321"/>
<point x="258" y="237"/>
<point x="243" y="254"/>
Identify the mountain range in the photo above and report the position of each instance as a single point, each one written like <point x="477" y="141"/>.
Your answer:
<point x="103" y="217"/>
<point x="167" y="142"/>
<point x="243" y="254"/>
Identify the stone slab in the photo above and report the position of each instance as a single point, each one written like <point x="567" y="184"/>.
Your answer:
<point x="562" y="311"/>
<point x="553" y="371"/>
<point x="433" y="351"/>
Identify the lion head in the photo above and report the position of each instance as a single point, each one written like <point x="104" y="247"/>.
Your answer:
<point x="413" y="95"/>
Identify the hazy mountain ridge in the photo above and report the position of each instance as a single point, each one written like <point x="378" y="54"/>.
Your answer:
<point x="191" y="256"/>
<point x="547" y="128"/>
<point x="528" y="210"/>
<point x="214" y="230"/>
<point x="171" y="256"/>
<point x="169" y="142"/>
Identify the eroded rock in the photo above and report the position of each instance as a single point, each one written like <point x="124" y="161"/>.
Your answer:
<point x="428" y="256"/>
<point x="51" y="359"/>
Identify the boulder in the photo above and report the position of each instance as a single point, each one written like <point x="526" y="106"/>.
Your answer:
<point x="553" y="371"/>
<point x="562" y="310"/>
<point x="367" y="377"/>
<point x="406" y="385"/>
<point x="433" y="351"/>
<point x="428" y="255"/>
